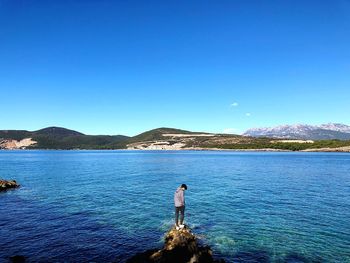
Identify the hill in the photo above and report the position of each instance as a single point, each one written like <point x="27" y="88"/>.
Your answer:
<point x="57" y="132"/>
<point x="14" y="134"/>
<point x="58" y="138"/>
<point x="158" y="139"/>
<point x="165" y="138"/>
<point x="175" y="139"/>
<point x="158" y="134"/>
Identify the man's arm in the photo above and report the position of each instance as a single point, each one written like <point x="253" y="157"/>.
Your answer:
<point x="182" y="197"/>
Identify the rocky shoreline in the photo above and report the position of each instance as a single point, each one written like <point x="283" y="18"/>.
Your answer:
<point x="8" y="184"/>
<point x="11" y="144"/>
<point x="180" y="246"/>
<point x="329" y="150"/>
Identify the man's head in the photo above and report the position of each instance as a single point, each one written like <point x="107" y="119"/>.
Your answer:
<point x="184" y="187"/>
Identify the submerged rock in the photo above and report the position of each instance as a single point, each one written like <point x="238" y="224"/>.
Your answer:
<point x="17" y="259"/>
<point x="7" y="184"/>
<point x="180" y="246"/>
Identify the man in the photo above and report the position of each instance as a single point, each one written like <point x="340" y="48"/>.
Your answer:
<point x="179" y="200"/>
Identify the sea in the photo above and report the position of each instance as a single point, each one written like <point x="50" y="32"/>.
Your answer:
<point x="105" y="206"/>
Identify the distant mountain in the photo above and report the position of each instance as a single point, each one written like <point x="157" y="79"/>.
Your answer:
<point x="176" y="139"/>
<point x="336" y="127"/>
<point x="328" y="131"/>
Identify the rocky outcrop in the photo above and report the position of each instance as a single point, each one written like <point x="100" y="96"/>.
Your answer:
<point x="156" y="145"/>
<point x="180" y="246"/>
<point x="336" y="149"/>
<point x="8" y="184"/>
<point x="17" y="259"/>
<point x="14" y="144"/>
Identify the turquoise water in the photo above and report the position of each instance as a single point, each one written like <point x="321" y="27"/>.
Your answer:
<point x="103" y="206"/>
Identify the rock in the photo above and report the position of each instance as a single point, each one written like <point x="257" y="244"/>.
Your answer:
<point x="11" y="144"/>
<point x="180" y="247"/>
<point x="8" y="184"/>
<point x="17" y="259"/>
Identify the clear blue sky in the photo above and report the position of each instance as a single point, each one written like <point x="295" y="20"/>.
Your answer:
<point x="123" y="67"/>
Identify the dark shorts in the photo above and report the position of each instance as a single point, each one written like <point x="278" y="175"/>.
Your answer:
<point x="180" y="209"/>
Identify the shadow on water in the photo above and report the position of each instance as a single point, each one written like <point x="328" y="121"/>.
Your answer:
<point x="296" y="258"/>
<point x="251" y="256"/>
<point x="45" y="234"/>
<point x="261" y="256"/>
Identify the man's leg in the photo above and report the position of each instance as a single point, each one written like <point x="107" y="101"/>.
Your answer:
<point x="182" y="210"/>
<point x="177" y="215"/>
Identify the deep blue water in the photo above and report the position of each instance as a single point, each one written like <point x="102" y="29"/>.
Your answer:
<point x="103" y="206"/>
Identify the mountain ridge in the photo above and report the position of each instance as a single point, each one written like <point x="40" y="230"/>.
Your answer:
<point x="163" y="139"/>
<point x="58" y="131"/>
<point x="326" y="131"/>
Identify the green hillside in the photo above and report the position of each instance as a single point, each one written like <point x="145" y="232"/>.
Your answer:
<point x="267" y="143"/>
<point x="14" y="134"/>
<point x="156" y="134"/>
<point x="57" y="132"/>
<point x="61" y="138"/>
<point x="78" y="142"/>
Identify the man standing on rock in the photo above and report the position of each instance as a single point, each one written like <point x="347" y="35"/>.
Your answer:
<point x="179" y="200"/>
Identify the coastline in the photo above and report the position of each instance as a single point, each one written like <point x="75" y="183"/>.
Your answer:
<point x="57" y="138"/>
<point x="345" y="149"/>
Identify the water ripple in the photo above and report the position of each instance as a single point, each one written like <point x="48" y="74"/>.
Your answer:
<point x="103" y="206"/>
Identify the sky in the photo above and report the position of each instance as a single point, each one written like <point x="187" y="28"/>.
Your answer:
<point x="124" y="67"/>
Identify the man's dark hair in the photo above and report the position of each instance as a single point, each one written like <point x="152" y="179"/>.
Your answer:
<point x="184" y="186"/>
